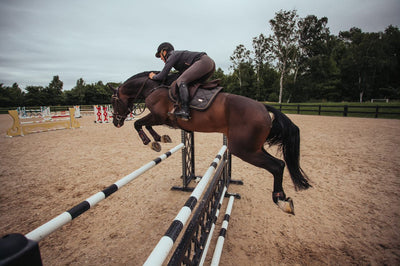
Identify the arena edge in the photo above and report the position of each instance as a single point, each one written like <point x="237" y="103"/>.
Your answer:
<point x="367" y="110"/>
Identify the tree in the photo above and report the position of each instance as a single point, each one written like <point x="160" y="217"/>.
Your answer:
<point x="35" y="96"/>
<point x="240" y="56"/>
<point x="80" y="90"/>
<point x="11" y="96"/>
<point x="269" y="83"/>
<point x="318" y="70"/>
<point x="53" y="92"/>
<point x="219" y="74"/>
<point x="260" y="48"/>
<point x="100" y="93"/>
<point x="389" y="83"/>
<point x="366" y="58"/>
<point x="82" y="93"/>
<point x="282" y="43"/>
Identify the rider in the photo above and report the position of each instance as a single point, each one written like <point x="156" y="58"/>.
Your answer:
<point x="192" y="67"/>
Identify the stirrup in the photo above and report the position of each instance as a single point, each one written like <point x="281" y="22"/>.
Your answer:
<point x="182" y="114"/>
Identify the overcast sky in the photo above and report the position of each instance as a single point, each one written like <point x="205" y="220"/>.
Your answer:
<point x="113" y="40"/>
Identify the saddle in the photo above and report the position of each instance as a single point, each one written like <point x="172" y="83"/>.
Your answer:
<point x="201" y="95"/>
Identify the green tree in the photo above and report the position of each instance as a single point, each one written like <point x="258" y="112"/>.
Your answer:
<point x="269" y="83"/>
<point x="97" y="93"/>
<point x="282" y="43"/>
<point x="389" y="79"/>
<point x="35" y="96"/>
<point x="82" y="93"/>
<point x="80" y="90"/>
<point x="239" y="58"/>
<point x="260" y="48"/>
<point x="319" y="74"/>
<point x="11" y="96"/>
<point x="53" y="92"/>
<point x="366" y="58"/>
<point x="219" y="74"/>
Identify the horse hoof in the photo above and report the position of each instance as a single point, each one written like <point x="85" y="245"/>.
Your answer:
<point x="286" y="205"/>
<point x="155" y="146"/>
<point x="166" y="139"/>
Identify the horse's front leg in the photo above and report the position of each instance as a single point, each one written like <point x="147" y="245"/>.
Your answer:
<point x="148" y="121"/>
<point x="157" y="137"/>
<point x="139" y="128"/>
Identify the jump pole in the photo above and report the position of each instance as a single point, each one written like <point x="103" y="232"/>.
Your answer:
<point x="203" y="257"/>
<point x="221" y="239"/>
<point x="164" y="246"/>
<point x="64" y="218"/>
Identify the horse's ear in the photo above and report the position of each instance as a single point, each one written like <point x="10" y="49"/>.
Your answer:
<point x="110" y="87"/>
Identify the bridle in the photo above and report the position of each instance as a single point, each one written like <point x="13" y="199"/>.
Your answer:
<point x="129" y="104"/>
<point x="118" y="102"/>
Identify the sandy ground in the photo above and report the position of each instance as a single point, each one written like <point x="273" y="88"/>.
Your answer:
<point x="351" y="216"/>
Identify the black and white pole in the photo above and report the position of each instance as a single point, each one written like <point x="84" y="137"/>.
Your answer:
<point x="222" y="233"/>
<point x="204" y="255"/>
<point x="164" y="246"/>
<point x="64" y="218"/>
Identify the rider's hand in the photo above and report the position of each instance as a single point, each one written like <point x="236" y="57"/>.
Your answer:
<point x="151" y="75"/>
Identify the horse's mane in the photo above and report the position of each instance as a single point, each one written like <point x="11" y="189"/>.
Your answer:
<point x="170" y="78"/>
<point x="143" y="74"/>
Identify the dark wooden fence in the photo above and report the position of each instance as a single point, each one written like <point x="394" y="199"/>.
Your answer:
<point x="344" y="110"/>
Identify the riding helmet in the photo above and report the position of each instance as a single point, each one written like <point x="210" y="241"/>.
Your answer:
<point x="164" y="46"/>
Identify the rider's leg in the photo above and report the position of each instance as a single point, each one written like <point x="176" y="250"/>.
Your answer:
<point x="200" y="70"/>
<point x="184" y="97"/>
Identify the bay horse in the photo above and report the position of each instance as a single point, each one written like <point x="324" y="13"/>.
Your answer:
<point x="246" y="123"/>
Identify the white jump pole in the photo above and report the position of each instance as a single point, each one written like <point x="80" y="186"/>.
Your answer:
<point x="164" y="246"/>
<point x="64" y="218"/>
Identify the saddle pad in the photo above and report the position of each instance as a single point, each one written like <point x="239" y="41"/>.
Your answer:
<point x="202" y="99"/>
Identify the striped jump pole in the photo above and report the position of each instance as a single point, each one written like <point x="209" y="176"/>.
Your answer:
<point x="164" y="246"/>
<point x="64" y="218"/>
<point x="203" y="257"/>
<point x="220" y="242"/>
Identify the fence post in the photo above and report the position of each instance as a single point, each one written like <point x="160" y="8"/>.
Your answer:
<point x="229" y="164"/>
<point x="298" y="109"/>
<point x="346" y="109"/>
<point x="319" y="109"/>
<point x="377" y="111"/>
<point x="188" y="167"/>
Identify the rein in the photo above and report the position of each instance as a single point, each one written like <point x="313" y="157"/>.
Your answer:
<point x="140" y="90"/>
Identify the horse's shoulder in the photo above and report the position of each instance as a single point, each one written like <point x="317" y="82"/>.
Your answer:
<point x="157" y="94"/>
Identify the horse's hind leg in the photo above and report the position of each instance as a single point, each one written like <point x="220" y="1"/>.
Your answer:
<point x="261" y="158"/>
<point x="278" y="195"/>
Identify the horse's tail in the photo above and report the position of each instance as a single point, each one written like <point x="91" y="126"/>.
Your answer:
<point x="287" y="135"/>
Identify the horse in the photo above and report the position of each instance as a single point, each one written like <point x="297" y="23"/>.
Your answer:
<point x="246" y="123"/>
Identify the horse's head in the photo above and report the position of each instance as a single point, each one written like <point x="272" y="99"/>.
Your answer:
<point x="137" y="87"/>
<point x="122" y="108"/>
<point x="132" y="90"/>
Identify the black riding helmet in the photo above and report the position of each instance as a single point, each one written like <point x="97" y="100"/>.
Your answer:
<point x="164" y="46"/>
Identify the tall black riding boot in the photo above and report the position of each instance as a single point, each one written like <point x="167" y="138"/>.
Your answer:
<point x="183" y="113"/>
